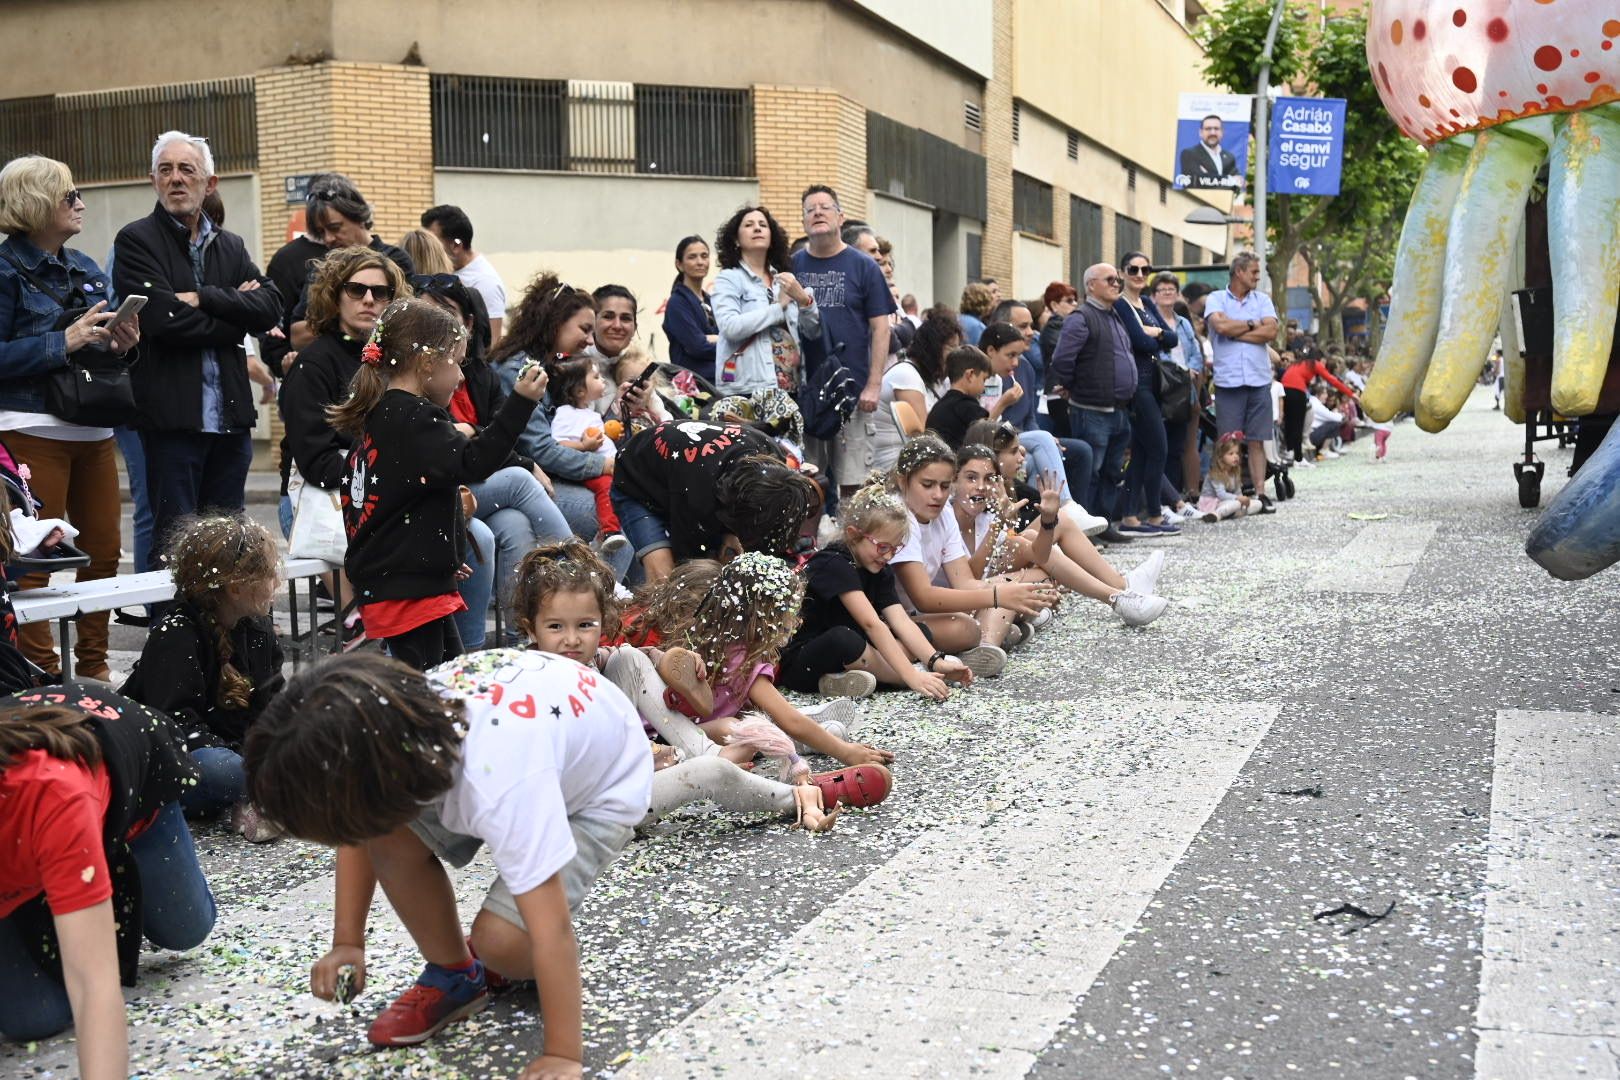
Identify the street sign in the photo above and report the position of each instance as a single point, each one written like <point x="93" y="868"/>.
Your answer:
<point x="1307" y="146"/>
<point x="297" y="188"/>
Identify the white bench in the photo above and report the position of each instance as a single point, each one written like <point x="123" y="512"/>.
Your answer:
<point x="64" y="603"/>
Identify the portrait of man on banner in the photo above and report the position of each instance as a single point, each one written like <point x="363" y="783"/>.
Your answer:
<point x="1212" y="142"/>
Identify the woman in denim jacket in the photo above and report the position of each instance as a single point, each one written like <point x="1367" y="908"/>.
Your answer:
<point x="71" y="467"/>
<point x="760" y="310"/>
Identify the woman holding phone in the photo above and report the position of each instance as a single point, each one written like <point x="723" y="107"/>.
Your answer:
<point x="54" y="304"/>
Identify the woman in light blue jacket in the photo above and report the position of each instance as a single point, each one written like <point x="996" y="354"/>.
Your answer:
<point x="762" y="313"/>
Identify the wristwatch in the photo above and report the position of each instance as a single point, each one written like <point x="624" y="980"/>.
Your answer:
<point x="1252" y="324"/>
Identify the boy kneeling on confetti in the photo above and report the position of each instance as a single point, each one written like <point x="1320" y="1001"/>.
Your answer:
<point x="539" y="758"/>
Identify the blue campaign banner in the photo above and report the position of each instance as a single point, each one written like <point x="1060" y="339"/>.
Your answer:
<point x="1307" y="146"/>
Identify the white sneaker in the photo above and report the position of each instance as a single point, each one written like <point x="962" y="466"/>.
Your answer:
<point x="1090" y="524"/>
<point x="847" y="684"/>
<point x="836" y="717"/>
<point x="1016" y="635"/>
<point x="1305" y="463"/>
<point x="1042" y="619"/>
<point x="1331" y="453"/>
<point x="1145" y="578"/>
<point x="985" y="661"/>
<point x="1189" y="512"/>
<point x="1134" y="609"/>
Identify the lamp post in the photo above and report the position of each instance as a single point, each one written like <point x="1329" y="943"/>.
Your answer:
<point x="1262" y="133"/>
<point x="1208" y="215"/>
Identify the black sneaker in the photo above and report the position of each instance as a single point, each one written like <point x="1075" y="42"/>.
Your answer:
<point x="1267" y="506"/>
<point x="1112" y="535"/>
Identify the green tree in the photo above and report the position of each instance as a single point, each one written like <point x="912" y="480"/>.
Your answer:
<point x="1347" y="240"/>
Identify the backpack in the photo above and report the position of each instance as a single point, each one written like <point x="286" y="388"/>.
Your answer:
<point x="829" y="395"/>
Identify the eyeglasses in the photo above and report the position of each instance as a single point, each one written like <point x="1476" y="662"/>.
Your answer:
<point x="356" y="290"/>
<point x="884" y="550"/>
<point x="72" y="198"/>
<point x="1114" y="280"/>
<point x="1139" y="271"/>
<point x="820" y="210"/>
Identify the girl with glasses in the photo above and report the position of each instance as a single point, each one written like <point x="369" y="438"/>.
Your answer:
<point x="853" y="632"/>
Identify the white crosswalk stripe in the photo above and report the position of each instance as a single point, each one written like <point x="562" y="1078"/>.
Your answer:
<point x="1548" y="987"/>
<point x="968" y="949"/>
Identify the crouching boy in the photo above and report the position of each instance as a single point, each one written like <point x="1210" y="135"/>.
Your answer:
<point x="531" y="754"/>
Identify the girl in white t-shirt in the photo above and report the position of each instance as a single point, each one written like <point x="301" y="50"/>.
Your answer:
<point x="577" y="384"/>
<point x="963" y="615"/>
<point x="1007" y="537"/>
<point x="565" y="602"/>
<point x="916" y="381"/>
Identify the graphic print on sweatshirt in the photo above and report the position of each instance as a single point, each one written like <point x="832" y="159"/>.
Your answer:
<point x="358" y="504"/>
<point x="695" y="440"/>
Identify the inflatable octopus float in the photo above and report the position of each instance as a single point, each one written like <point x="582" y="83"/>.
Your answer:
<point x="1496" y="89"/>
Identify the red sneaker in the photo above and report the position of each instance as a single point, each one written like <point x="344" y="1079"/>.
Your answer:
<point x="439" y="998"/>
<point x="860" y="785"/>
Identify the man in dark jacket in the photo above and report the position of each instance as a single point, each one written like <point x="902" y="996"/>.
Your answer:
<point x="1093" y="362"/>
<point x="204" y="295"/>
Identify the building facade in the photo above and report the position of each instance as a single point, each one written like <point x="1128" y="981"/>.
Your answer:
<point x="1014" y="139"/>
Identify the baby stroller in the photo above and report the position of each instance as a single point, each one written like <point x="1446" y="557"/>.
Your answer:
<point x="1277" y="463"/>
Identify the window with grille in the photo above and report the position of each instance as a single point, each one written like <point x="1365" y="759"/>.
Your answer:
<point x="1074" y="146"/>
<point x="1164" y="193"/>
<point x="1127" y="236"/>
<point x="1032" y="205"/>
<point x="1130" y="178"/>
<point x="972" y="116"/>
<point x="107" y="135"/>
<point x="1018" y="120"/>
<point x="1085" y="235"/>
<point x="487" y="122"/>
<point x="1164" y="248"/>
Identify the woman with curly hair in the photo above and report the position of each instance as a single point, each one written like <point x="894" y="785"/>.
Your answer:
<point x="760" y="309"/>
<point x="212" y="662"/>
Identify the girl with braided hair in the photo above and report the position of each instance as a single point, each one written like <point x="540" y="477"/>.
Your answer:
<point x="212" y="662"/>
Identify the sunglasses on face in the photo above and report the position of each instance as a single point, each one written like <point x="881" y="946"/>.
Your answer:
<point x="1138" y="271"/>
<point x="71" y="198"/>
<point x="1115" y="281"/>
<point x="430" y="282"/>
<point x="355" y="290"/>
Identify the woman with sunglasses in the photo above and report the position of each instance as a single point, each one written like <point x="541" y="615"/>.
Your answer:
<point x="1140" y="510"/>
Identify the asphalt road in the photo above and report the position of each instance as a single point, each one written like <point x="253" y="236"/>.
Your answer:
<point x="1117" y="860"/>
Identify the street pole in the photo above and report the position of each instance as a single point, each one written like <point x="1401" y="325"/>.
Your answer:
<point x="1262" y="151"/>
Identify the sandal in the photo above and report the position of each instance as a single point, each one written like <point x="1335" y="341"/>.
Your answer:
<point x="679" y="670"/>
<point x="859" y="785"/>
<point x="812" y="816"/>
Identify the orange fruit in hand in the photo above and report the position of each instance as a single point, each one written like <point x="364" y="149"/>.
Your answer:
<point x="613" y="427"/>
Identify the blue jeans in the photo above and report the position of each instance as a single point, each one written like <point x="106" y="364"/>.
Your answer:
<point x="519" y="512"/>
<point x="129" y="444"/>
<point x="646" y="531"/>
<point x="578" y="506"/>
<point x="476" y="590"/>
<point x="1148" y="451"/>
<point x="223" y="783"/>
<point x="188" y="471"/>
<point x="284" y="516"/>
<point x="1071" y="459"/>
<point x="177" y="912"/>
<point x="1109" y="436"/>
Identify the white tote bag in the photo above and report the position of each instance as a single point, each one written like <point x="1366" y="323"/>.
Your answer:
<point x="317" y="529"/>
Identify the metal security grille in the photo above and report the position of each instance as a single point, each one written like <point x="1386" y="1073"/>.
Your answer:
<point x="1164" y="248"/>
<point x="919" y="165"/>
<point x="1032" y="205"/>
<point x="1085" y="235"/>
<point x="107" y="135"/>
<point x="482" y="122"/>
<point x="694" y="131"/>
<point x="1127" y="236"/>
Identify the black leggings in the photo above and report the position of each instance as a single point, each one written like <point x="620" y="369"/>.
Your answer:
<point x="1295" y="408"/>
<point x="428" y="645"/>
<point x="827" y="653"/>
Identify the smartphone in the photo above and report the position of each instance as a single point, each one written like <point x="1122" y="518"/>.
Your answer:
<point x="130" y="308"/>
<point x="646" y="375"/>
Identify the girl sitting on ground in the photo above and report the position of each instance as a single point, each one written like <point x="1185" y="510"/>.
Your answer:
<point x="1075" y="562"/>
<point x="935" y="577"/>
<point x="1222" y="496"/>
<point x="212" y="662"/>
<point x="565" y="603"/>
<point x="738" y="631"/>
<point x="658" y="610"/>
<point x="853" y="631"/>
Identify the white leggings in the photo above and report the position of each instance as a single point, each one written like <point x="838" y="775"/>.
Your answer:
<point x="719" y="780"/>
<point x="632" y="671"/>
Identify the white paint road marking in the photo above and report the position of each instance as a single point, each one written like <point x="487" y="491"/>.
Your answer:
<point x="968" y="950"/>
<point x="1379" y="560"/>
<point x="1551" y="972"/>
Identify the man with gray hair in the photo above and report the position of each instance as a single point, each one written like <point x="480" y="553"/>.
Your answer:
<point x="204" y="295"/>
<point x="1242" y="322"/>
<point x="1093" y="366"/>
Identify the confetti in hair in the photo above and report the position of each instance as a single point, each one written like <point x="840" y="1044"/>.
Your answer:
<point x="922" y="451"/>
<point x="751" y="609"/>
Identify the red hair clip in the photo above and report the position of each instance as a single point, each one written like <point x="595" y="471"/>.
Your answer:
<point x="371" y="354"/>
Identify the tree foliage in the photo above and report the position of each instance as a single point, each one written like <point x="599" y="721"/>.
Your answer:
<point x="1348" y="240"/>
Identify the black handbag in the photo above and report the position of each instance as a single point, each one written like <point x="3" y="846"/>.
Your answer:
<point x="95" y="388"/>
<point x="1175" y="391"/>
